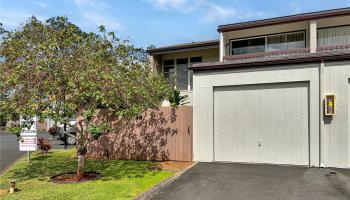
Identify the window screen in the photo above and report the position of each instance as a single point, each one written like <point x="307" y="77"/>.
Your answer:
<point x="182" y="73"/>
<point x="285" y="41"/>
<point x="333" y="36"/>
<point x="169" y="71"/>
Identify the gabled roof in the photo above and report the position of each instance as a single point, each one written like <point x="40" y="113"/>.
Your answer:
<point x="285" y="19"/>
<point x="186" y="46"/>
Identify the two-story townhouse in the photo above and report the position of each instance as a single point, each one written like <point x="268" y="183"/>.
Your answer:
<point x="269" y="91"/>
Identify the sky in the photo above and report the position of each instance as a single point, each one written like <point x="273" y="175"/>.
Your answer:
<point x="158" y="22"/>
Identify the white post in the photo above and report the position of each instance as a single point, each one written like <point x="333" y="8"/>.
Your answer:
<point x="152" y="63"/>
<point x="222" y="47"/>
<point x="28" y="156"/>
<point x="313" y="36"/>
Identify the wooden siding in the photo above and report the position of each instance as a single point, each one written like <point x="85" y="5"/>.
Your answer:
<point x="41" y="126"/>
<point x="336" y="145"/>
<point x="164" y="134"/>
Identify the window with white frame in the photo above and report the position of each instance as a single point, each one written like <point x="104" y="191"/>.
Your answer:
<point x="275" y="42"/>
<point x="177" y="69"/>
<point x="169" y="70"/>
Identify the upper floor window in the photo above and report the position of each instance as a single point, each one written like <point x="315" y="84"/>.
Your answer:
<point x="333" y="36"/>
<point x="245" y="46"/>
<point x="177" y="70"/>
<point x="276" y="42"/>
<point x="182" y="73"/>
<point x="169" y="69"/>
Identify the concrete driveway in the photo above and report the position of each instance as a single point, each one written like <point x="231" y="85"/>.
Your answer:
<point x="244" y="181"/>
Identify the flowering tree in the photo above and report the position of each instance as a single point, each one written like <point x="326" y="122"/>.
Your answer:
<point x="55" y="70"/>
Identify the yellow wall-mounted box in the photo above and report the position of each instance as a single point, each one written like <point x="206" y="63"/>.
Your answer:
<point x="329" y="105"/>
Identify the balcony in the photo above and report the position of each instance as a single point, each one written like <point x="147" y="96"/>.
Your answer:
<point x="286" y="53"/>
<point x="267" y="54"/>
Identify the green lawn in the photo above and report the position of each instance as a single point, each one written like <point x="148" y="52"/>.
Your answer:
<point x="120" y="179"/>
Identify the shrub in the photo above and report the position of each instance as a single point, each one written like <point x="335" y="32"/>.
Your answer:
<point x="54" y="130"/>
<point x="176" y="99"/>
<point x="44" y="145"/>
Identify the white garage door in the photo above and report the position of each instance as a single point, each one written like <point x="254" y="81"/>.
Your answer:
<point x="265" y="123"/>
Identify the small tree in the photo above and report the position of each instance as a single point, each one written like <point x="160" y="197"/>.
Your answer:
<point x="55" y="70"/>
<point x="176" y="99"/>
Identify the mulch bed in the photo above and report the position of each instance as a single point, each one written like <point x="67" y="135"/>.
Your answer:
<point x="71" y="177"/>
<point x="3" y="192"/>
<point x="174" y="165"/>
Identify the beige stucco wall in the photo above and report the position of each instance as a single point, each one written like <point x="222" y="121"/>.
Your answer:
<point x="334" y="21"/>
<point x="208" y="55"/>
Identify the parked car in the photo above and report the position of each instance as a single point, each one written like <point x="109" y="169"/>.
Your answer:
<point x="65" y="136"/>
<point x="69" y="137"/>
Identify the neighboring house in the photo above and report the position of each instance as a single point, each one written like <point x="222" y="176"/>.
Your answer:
<point x="259" y="93"/>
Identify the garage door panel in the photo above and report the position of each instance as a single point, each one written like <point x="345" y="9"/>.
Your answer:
<point x="262" y="123"/>
<point x="241" y="147"/>
<point x="267" y="126"/>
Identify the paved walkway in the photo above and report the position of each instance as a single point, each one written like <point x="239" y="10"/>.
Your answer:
<point x="262" y="182"/>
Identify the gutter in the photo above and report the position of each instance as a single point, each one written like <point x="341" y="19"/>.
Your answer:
<point x="268" y="61"/>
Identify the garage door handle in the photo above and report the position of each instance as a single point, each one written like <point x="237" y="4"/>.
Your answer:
<point x="259" y="143"/>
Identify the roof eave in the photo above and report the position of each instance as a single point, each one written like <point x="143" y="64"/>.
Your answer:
<point x="285" y="19"/>
<point x="188" y="46"/>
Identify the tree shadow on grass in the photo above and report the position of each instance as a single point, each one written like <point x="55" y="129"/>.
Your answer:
<point x="42" y="167"/>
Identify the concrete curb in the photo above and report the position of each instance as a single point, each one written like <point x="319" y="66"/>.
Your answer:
<point x="13" y="163"/>
<point x="150" y="193"/>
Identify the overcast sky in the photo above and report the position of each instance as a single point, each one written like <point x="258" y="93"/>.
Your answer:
<point x="158" y="22"/>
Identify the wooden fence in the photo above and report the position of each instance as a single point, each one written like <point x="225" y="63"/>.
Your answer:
<point x="164" y="134"/>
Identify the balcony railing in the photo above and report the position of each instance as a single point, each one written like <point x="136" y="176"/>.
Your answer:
<point x="268" y="54"/>
<point x="290" y="52"/>
<point x="333" y="48"/>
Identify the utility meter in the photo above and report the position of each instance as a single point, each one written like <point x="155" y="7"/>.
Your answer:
<point x="329" y="105"/>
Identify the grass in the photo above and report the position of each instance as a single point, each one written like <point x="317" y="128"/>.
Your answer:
<point x="120" y="179"/>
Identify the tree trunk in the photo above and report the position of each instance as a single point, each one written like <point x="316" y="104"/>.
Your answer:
<point x="80" y="171"/>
